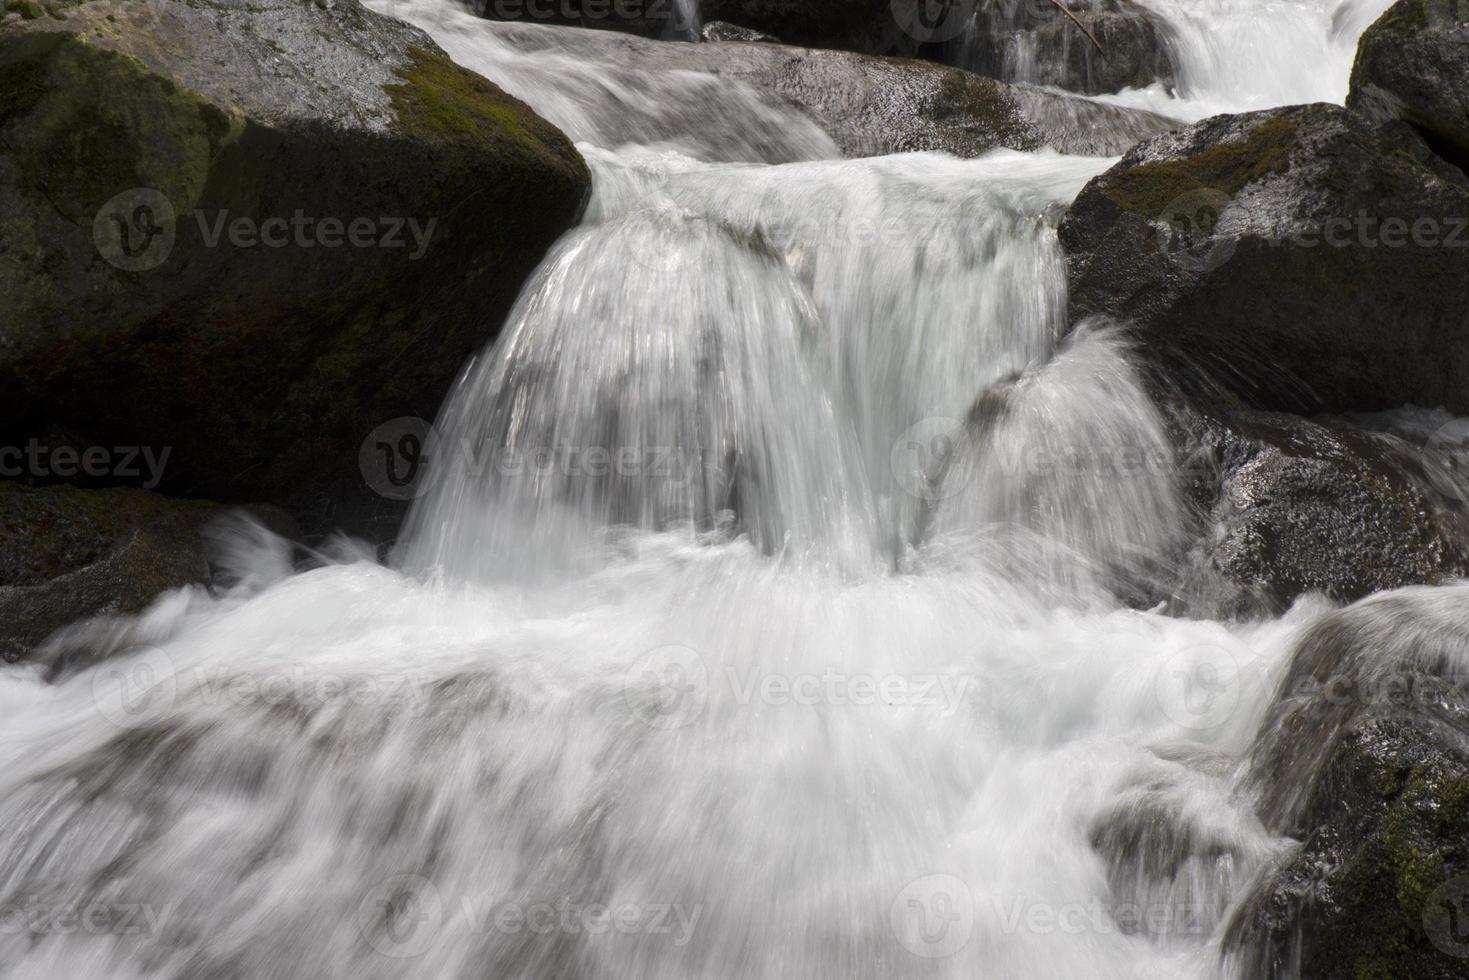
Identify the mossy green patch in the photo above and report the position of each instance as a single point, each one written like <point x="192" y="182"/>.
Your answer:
<point x="97" y="123"/>
<point x="440" y="102"/>
<point x="1150" y="188"/>
<point x="22" y="86"/>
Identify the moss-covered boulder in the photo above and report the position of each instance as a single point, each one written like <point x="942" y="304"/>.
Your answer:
<point x="1301" y="256"/>
<point x="1364" y="759"/>
<point x="68" y="553"/>
<point x="1290" y="506"/>
<point x="251" y="231"/>
<point x="1413" y="65"/>
<point x="1035" y="41"/>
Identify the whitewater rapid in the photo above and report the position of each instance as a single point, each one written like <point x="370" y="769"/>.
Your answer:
<point x="761" y="614"/>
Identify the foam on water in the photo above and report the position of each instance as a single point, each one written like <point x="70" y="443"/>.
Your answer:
<point x="840" y="685"/>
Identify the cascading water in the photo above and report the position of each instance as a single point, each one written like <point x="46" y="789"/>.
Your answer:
<point x="761" y="619"/>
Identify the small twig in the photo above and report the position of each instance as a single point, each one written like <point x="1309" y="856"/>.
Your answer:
<point x="1063" y="8"/>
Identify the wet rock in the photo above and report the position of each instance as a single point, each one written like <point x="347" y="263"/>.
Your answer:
<point x="251" y="233"/>
<point x="1290" y="506"/>
<point x="1413" y="65"/>
<point x="1301" y="256"/>
<point x="1034" y="41"/>
<point x="871" y="106"/>
<point x="67" y="554"/>
<point x="718" y="30"/>
<point x="864" y="26"/>
<point x="1364" y="759"/>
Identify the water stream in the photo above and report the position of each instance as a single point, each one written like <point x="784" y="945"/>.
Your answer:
<point x="762" y="614"/>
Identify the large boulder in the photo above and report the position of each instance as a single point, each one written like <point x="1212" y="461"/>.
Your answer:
<point x="1290" y="506"/>
<point x="1364" y="759"/>
<point x="67" y="553"/>
<point x="1413" y="65"/>
<point x="252" y="231"/>
<point x="1302" y="256"/>
<point x="1034" y="41"/>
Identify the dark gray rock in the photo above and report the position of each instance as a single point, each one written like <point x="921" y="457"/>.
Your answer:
<point x="1291" y="506"/>
<point x="1413" y="65"/>
<point x="718" y="30"/>
<point x="133" y="138"/>
<point x="1033" y="41"/>
<point x="1302" y="256"/>
<point x="1364" y="759"/>
<point x="67" y="554"/>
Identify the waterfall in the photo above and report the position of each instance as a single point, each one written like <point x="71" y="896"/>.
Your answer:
<point x="772" y="608"/>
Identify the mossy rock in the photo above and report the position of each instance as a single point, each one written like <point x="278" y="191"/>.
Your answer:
<point x="397" y="203"/>
<point x="1364" y="759"/>
<point x="1413" y="65"/>
<point x="1302" y="258"/>
<point x="68" y="553"/>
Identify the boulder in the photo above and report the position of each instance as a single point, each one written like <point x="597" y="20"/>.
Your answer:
<point x="1291" y="506"/>
<point x="1034" y="41"/>
<point x="865" y="26"/>
<point x="253" y="232"/>
<point x="1413" y="65"/>
<point x="1301" y="256"/>
<point x="68" y="553"/>
<point x="1364" y="759"/>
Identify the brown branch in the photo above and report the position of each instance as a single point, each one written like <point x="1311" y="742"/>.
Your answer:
<point x="1063" y="8"/>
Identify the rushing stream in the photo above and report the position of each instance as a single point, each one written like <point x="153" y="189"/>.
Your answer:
<point x="763" y="613"/>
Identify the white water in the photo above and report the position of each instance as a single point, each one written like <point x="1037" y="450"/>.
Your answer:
<point x="842" y="688"/>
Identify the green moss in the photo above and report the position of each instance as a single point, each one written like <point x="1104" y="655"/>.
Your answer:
<point x="28" y="9"/>
<point x="439" y="102"/>
<point x="983" y="101"/>
<point x="22" y="86"/>
<point x="1149" y="189"/>
<point x="98" y="123"/>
